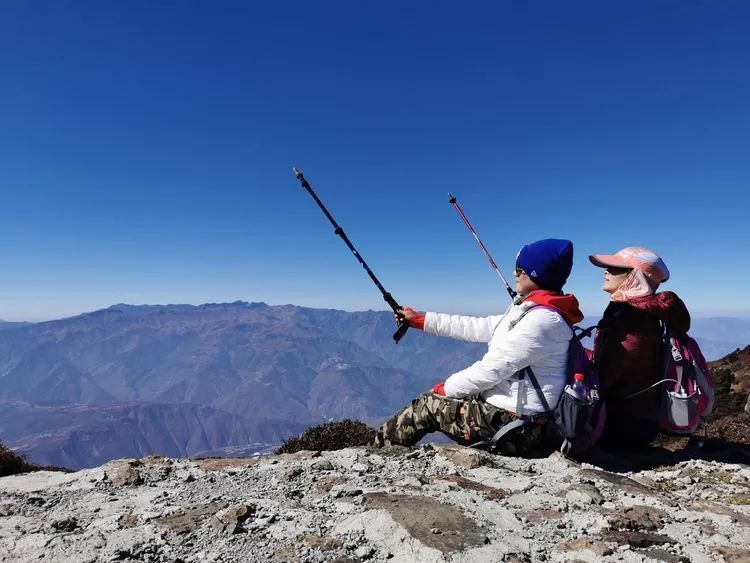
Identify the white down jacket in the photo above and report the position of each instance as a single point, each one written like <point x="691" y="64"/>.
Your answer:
<point x="517" y="339"/>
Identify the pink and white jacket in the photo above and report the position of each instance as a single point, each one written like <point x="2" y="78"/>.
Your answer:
<point x="520" y="337"/>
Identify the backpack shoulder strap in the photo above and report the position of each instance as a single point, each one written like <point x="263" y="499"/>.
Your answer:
<point x="539" y="392"/>
<point x="492" y="443"/>
<point x="584" y="332"/>
<point x="528" y="372"/>
<point x="602" y="332"/>
<point x="554" y="310"/>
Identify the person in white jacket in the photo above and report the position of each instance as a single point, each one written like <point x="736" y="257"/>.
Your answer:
<point x="472" y="404"/>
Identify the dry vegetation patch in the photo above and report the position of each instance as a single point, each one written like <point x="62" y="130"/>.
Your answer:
<point x="331" y="436"/>
<point x="12" y="463"/>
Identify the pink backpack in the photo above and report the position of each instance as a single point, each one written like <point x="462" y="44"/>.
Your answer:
<point x="688" y="390"/>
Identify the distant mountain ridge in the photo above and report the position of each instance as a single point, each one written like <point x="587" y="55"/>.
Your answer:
<point x="719" y="336"/>
<point x="6" y="325"/>
<point x="231" y="356"/>
<point x="82" y="435"/>
<point x="286" y="365"/>
<point x="281" y="363"/>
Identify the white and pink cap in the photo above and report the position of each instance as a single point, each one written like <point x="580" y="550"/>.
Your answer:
<point x="636" y="257"/>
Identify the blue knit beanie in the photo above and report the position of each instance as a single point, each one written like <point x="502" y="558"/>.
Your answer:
<point x="547" y="262"/>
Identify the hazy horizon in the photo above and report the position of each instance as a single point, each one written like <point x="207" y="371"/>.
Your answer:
<point x="477" y="312"/>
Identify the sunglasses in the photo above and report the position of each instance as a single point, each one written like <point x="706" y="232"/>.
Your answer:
<point x="518" y="271"/>
<point x="612" y="271"/>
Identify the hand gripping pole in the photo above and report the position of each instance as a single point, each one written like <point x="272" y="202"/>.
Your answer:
<point x="403" y="324"/>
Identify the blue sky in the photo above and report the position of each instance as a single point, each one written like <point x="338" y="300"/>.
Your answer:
<point x="146" y="149"/>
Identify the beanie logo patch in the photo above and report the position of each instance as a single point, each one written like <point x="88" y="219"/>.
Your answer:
<point x="533" y="274"/>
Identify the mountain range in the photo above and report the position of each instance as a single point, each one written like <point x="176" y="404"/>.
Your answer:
<point x="270" y="371"/>
<point x="4" y="325"/>
<point x="182" y="379"/>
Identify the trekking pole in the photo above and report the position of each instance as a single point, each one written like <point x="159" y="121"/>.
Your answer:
<point x="403" y="324"/>
<point x="453" y="202"/>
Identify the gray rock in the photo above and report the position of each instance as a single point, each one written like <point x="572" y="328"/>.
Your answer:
<point x="733" y="555"/>
<point x="322" y="465"/>
<point x="127" y="521"/>
<point x="457" y="482"/>
<point x="463" y="457"/>
<point x="360" y="467"/>
<point x="229" y="520"/>
<point x="124" y="475"/>
<point x="339" y="491"/>
<point x="410" y="481"/>
<point x="638" y="518"/>
<point x="597" y="548"/>
<point x="264" y="522"/>
<point x="584" y="495"/>
<point x="449" y="512"/>
<point x="323" y="543"/>
<point x="187" y="519"/>
<point x="662" y="555"/>
<point x="235" y="513"/>
<point x="293" y="473"/>
<point x="637" y="539"/>
<point x="421" y="514"/>
<point x="65" y="525"/>
<point x="364" y="552"/>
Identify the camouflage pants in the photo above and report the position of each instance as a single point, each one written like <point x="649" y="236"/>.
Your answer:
<point x="467" y="421"/>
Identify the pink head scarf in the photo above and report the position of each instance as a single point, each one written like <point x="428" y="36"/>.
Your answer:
<point x="648" y="271"/>
<point x="635" y="285"/>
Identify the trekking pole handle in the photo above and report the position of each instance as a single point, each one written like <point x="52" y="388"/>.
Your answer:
<point x="403" y="324"/>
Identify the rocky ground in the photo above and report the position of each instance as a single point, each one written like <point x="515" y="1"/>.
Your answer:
<point x="435" y="503"/>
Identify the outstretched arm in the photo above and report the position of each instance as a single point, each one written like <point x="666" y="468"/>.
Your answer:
<point x="462" y="327"/>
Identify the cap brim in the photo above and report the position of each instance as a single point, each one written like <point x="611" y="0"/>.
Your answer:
<point x="609" y="261"/>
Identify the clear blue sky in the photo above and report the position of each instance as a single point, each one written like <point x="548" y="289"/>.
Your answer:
<point x="146" y="149"/>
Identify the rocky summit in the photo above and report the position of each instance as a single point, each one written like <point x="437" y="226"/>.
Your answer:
<point x="434" y="503"/>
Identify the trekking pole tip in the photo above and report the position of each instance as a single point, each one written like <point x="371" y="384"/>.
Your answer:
<point x="451" y="199"/>
<point x="296" y="172"/>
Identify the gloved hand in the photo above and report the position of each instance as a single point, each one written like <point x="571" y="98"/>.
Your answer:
<point x="439" y="389"/>
<point x="415" y="318"/>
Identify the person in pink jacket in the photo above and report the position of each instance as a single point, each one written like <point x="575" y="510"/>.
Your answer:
<point x="472" y="404"/>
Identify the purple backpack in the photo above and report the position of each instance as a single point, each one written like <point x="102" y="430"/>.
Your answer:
<point x="580" y="413"/>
